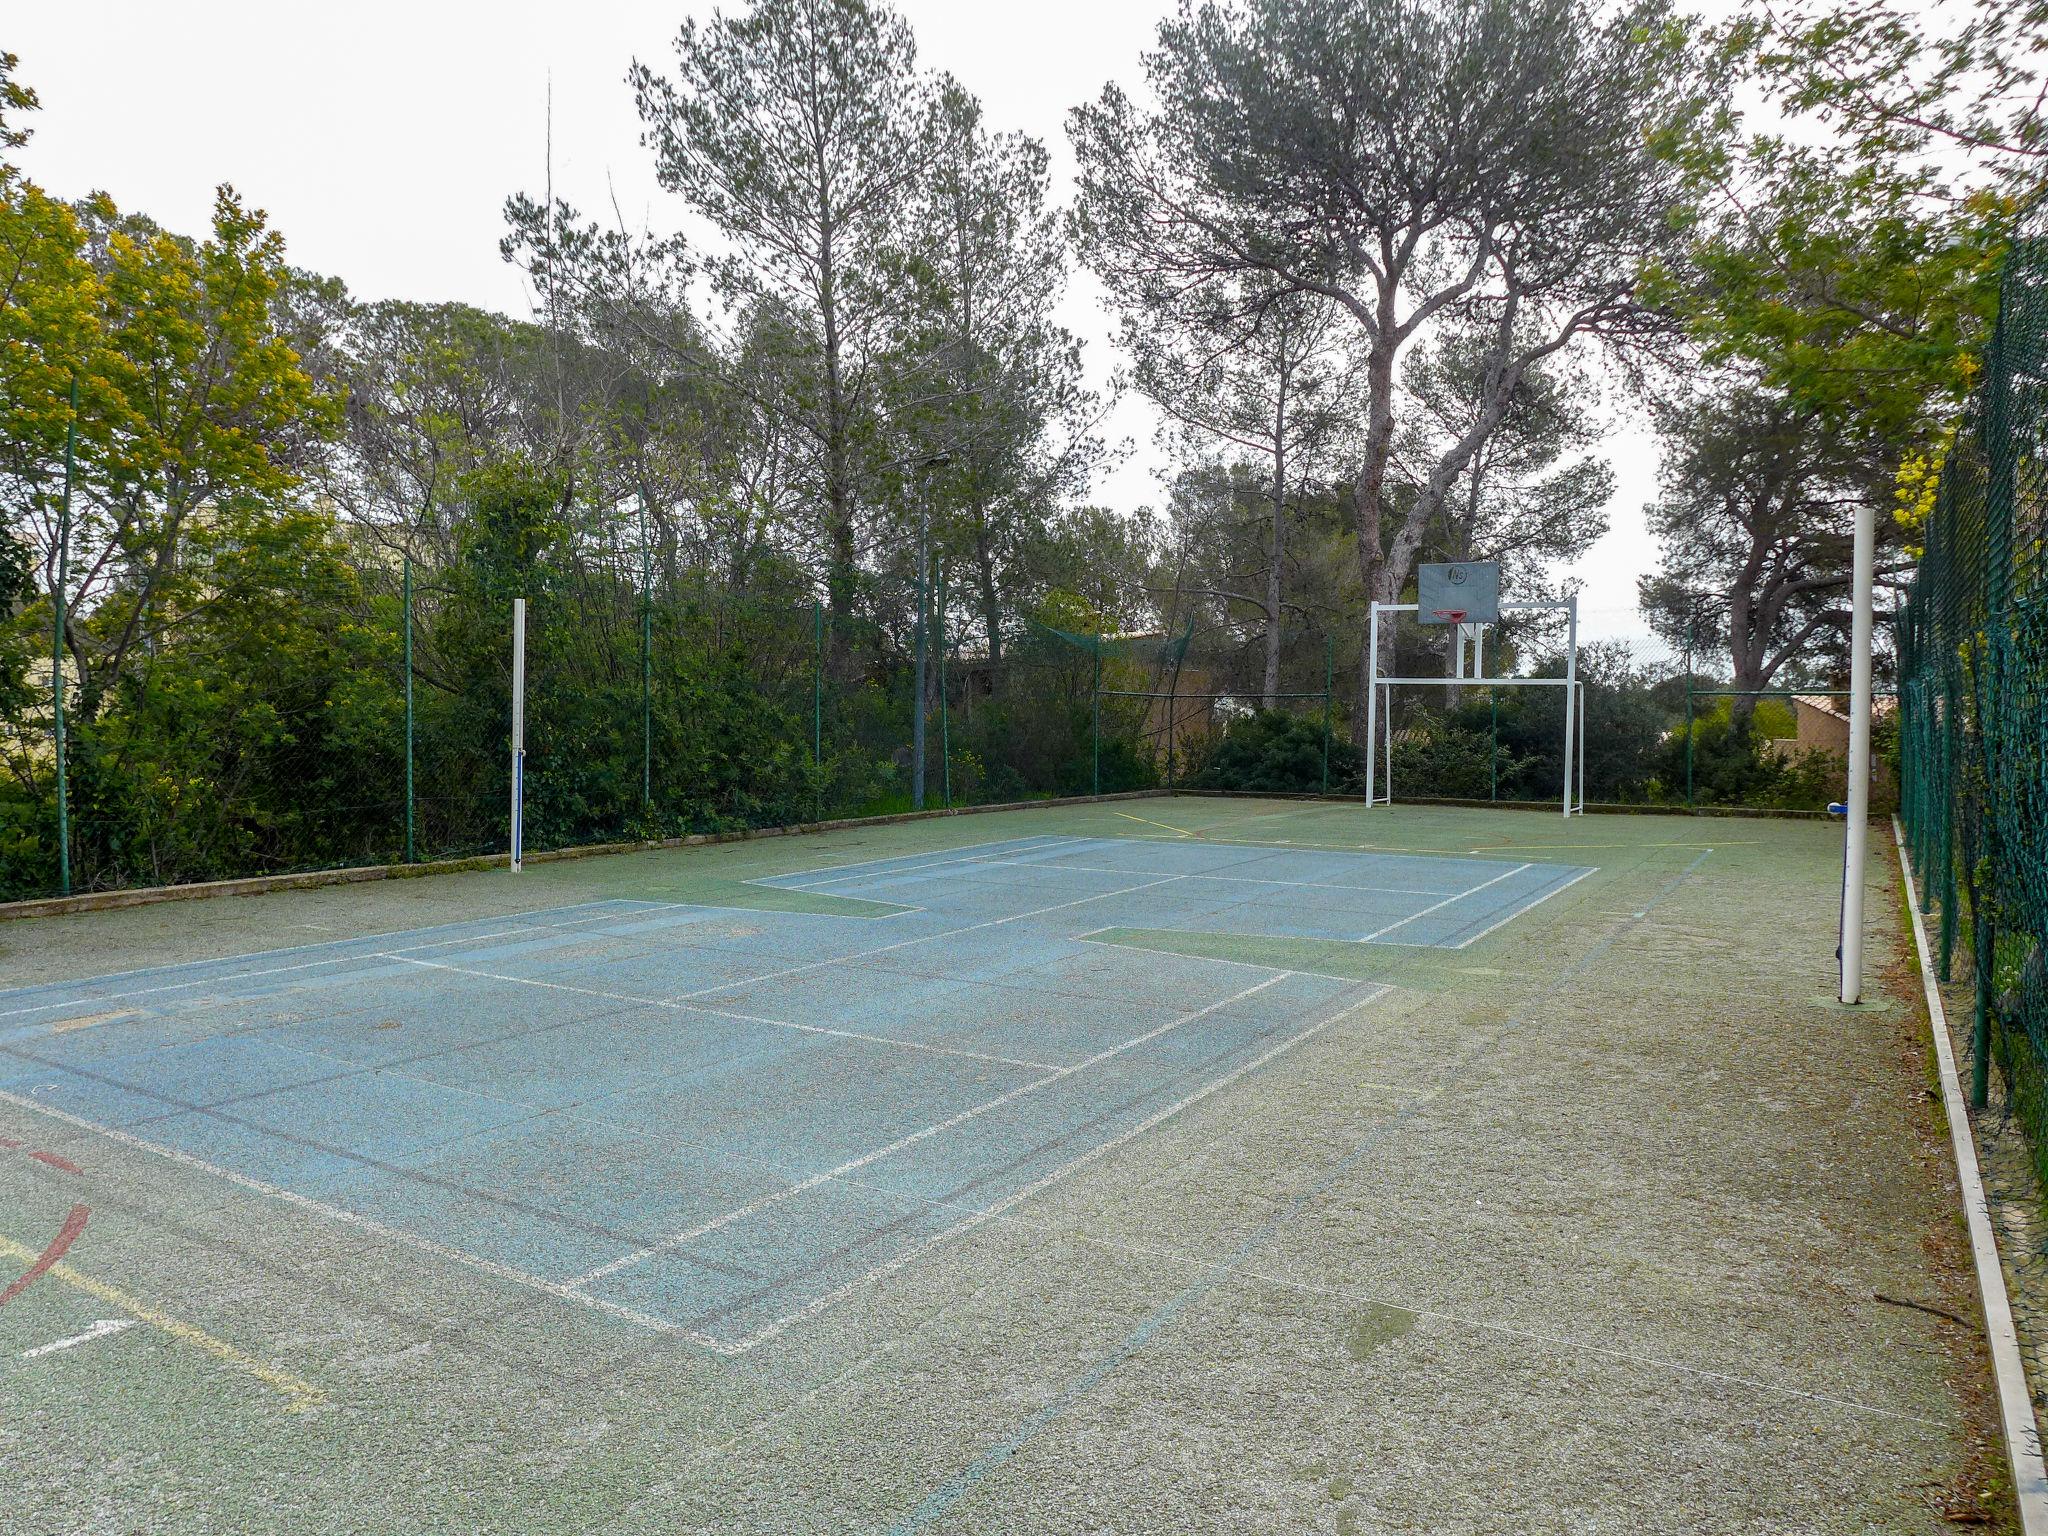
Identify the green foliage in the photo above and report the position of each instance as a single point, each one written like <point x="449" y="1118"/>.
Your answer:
<point x="1271" y="751"/>
<point x="1731" y="764"/>
<point x="1456" y="759"/>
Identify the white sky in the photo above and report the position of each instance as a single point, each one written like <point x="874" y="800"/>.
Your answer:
<point x="384" y="138"/>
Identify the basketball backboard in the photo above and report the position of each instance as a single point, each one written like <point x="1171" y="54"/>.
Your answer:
<point x="1458" y="592"/>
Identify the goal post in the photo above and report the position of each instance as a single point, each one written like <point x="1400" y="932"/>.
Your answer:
<point x="1468" y="607"/>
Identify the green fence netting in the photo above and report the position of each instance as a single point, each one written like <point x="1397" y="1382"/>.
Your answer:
<point x="1973" y="648"/>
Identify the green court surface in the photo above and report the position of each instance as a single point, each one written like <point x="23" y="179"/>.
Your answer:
<point x="1173" y="1164"/>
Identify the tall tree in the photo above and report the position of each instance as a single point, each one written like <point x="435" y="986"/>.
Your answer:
<point x="801" y="129"/>
<point x="1418" y="162"/>
<point x="1756" y="524"/>
<point x="1276" y="384"/>
<point x="1533" y="496"/>
<point x="984" y="374"/>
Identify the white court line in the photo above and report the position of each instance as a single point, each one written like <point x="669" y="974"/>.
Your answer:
<point x="728" y="1013"/>
<point x="1440" y="905"/>
<point x="1342" y="850"/>
<point x="753" y="1207"/>
<point x="99" y="1330"/>
<point x="922" y="938"/>
<point x="354" y="1219"/>
<point x="965" y="853"/>
<point x="1016" y="1197"/>
<point x="1306" y="885"/>
<point x="1522" y="911"/>
<point x="295" y="949"/>
<point x="1095" y="937"/>
<point x="275" y="970"/>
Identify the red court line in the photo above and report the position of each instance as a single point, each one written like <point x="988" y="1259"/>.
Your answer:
<point x="55" y="1161"/>
<point x="73" y="1225"/>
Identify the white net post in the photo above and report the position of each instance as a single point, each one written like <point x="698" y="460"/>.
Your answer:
<point x="1372" y="701"/>
<point x="518" y="732"/>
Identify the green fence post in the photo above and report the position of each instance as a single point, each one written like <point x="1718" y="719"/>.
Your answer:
<point x="646" y="670"/>
<point x="817" y="710"/>
<point x="945" y="719"/>
<point x="1329" y="677"/>
<point x="1980" y="1025"/>
<point x="410" y="852"/>
<point x="57" y="647"/>
<point x="1095" y="722"/>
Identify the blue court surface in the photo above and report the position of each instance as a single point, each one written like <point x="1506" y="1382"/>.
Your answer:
<point x="722" y="1121"/>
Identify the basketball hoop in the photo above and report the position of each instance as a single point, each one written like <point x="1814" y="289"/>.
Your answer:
<point x="1448" y="615"/>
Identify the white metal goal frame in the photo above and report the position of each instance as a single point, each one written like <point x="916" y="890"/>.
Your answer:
<point x="1379" y="786"/>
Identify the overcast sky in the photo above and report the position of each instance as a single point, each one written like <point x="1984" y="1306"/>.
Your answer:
<point x="384" y="138"/>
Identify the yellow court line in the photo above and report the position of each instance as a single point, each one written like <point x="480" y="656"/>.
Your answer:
<point x="299" y="1395"/>
<point x="1127" y="816"/>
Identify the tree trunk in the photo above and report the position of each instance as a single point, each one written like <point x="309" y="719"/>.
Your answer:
<point x="1273" y="610"/>
<point x="1368" y="497"/>
<point x="841" y="572"/>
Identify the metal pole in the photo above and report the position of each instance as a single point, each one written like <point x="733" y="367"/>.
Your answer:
<point x="917" y="672"/>
<point x="945" y="719"/>
<point x="1372" y="698"/>
<point x="518" y="732"/>
<point x="1329" y="674"/>
<point x="1582" y="748"/>
<point x="57" y="593"/>
<point x="1854" y="848"/>
<point x="1692" y="618"/>
<point x="646" y="670"/>
<point x="1571" y="688"/>
<point x="1095" y="723"/>
<point x="817" y="711"/>
<point x="410" y="853"/>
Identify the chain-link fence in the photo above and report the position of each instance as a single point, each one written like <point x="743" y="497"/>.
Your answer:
<point x="1973" y="648"/>
<point x="347" y="700"/>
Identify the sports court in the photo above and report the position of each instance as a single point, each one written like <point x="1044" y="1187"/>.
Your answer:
<point x="1299" y="1165"/>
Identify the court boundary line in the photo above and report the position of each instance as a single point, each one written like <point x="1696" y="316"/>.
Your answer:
<point x="997" y="1210"/>
<point x="926" y="859"/>
<point x="571" y="1290"/>
<point x="920" y="938"/>
<point x="730" y="1013"/>
<point x="1506" y="874"/>
<point x="1316" y="885"/>
<point x="288" y="949"/>
<point x="1094" y="937"/>
<point x="677" y="1240"/>
<point x="982" y="1464"/>
<point x="635" y="906"/>
<point x="1523" y="911"/>
<point x="625" y="908"/>
<point x="300" y="1395"/>
<point x="346" y="1217"/>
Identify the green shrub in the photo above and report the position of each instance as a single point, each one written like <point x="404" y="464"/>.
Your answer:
<point x="1273" y="752"/>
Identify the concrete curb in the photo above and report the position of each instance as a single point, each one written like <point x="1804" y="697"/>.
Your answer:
<point x="258" y="885"/>
<point x="2015" y="1402"/>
